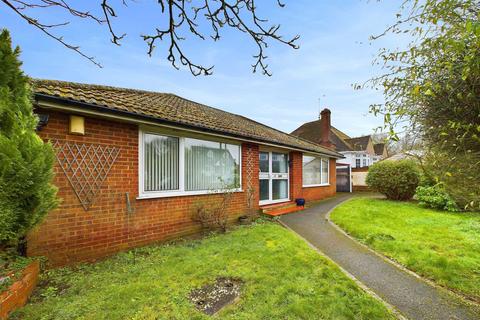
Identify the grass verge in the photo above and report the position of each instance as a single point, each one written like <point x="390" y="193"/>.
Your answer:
<point x="443" y="247"/>
<point x="283" y="279"/>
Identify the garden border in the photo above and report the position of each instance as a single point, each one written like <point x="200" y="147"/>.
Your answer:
<point x="16" y="296"/>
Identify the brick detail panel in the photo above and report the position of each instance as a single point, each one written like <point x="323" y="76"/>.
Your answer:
<point x="250" y="160"/>
<point x="296" y="175"/>
<point x="17" y="294"/>
<point x="70" y="234"/>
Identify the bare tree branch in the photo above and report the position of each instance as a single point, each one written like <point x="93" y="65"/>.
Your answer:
<point x="183" y="17"/>
<point x="45" y="27"/>
<point x="109" y="12"/>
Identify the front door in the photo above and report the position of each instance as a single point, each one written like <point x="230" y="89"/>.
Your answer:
<point x="274" y="177"/>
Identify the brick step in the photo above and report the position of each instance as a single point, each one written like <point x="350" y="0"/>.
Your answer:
<point x="270" y="207"/>
<point x="281" y="208"/>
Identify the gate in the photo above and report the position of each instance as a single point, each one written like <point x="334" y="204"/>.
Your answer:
<point x="343" y="178"/>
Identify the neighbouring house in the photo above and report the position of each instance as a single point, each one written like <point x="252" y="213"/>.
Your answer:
<point x="359" y="152"/>
<point x="381" y="152"/>
<point x="131" y="165"/>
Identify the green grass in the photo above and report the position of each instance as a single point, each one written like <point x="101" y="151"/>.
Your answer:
<point x="284" y="279"/>
<point x="441" y="246"/>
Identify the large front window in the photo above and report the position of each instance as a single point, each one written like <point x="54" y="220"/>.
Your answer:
<point x="177" y="165"/>
<point x="211" y="165"/>
<point x="315" y="171"/>
<point x="161" y="159"/>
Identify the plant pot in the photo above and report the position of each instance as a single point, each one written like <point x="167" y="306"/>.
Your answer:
<point x="244" y="220"/>
<point x="300" y="201"/>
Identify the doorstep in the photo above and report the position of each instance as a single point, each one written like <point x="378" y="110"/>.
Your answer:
<point x="282" y="208"/>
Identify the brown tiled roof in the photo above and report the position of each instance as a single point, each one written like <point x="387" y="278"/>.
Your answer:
<point x="340" y="134"/>
<point x="311" y="132"/>
<point x="359" y="143"/>
<point x="170" y="108"/>
<point x="338" y="138"/>
<point x="379" y="148"/>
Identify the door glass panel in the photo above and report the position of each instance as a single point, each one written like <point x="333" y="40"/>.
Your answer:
<point x="279" y="189"/>
<point x="264" y="162"/>
<point x="279" y="163"/>
<point x="264" y="194"/>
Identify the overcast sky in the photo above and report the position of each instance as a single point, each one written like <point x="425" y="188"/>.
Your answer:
<point x="334" y="54"/>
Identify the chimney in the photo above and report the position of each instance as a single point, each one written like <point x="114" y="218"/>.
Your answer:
<point x="325" y="125"/>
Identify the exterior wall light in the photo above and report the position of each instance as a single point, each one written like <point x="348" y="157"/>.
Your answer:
<point x="42" y="121"/>
<point x="77" y="125"/>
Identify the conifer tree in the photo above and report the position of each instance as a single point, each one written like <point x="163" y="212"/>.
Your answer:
<point x="26" y="162"/>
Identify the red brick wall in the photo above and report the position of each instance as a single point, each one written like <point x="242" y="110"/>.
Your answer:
<point x="16" y="296"/>
<point x="311" y="193"/>
<point x="296" y="175"/>
<point x="70" y="234"/>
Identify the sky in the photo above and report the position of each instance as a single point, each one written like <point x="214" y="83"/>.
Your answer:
<point x="335" y="53"/>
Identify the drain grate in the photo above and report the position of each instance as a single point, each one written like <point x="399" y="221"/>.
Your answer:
<point x="214" y="296"/>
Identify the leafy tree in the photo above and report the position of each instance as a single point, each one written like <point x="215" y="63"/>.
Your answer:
<point x="26" y="162"/>
<point x="181" y="17"/>
<point x="433" y="86"/>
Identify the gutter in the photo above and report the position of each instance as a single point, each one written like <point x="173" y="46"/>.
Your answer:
<point x="63" y="104"/>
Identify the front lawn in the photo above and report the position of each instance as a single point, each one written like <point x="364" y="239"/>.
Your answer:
<point x="282" y="277"/>
<point x="444" y="247"/>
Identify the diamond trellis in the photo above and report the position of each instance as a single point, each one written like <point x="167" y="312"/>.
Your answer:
<point x="249" y="166"/>
<point x="86" y="167"/>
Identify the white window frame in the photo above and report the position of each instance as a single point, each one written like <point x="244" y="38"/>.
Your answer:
<point x="321" y="167"/>
<point x="270" y="176"/>
<point x="359" y="163"/>
<point x="142" y="194"/>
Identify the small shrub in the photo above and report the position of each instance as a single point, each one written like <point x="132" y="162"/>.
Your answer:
<point x="435" y="197"/>
<point x="212" y="213"/>
<point x="397" y="180"/>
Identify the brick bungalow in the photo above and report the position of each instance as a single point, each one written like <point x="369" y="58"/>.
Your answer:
<point x="131" y="164"/>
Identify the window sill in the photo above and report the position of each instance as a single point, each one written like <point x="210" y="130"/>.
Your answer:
<point x="317" y="185"/>
<point x="179" y="194"/>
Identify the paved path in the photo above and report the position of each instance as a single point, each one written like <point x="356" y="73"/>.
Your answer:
<point x="414" y="298"/>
